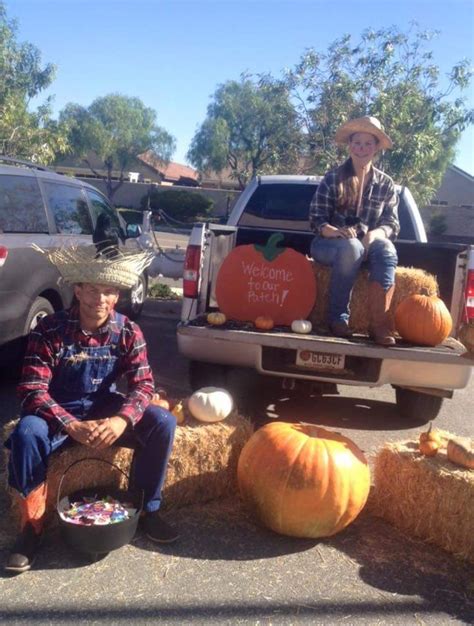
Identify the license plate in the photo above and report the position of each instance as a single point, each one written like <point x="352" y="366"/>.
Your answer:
<point x="320" y="360"/>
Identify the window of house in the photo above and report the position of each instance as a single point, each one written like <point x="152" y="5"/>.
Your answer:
<point x="21" y="205"/>
<point x="69" y="208"/>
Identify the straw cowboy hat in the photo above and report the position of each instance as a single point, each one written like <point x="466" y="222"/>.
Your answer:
<point x="114" y="267"/>
<point x="365" y="124"/>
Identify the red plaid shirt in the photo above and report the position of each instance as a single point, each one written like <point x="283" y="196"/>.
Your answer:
<point x="44" y="345"/>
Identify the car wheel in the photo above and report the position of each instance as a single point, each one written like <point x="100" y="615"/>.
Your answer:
<point x="416" y="406"/>
<point x="137" y="296"/>
<point x="39" y="309"/>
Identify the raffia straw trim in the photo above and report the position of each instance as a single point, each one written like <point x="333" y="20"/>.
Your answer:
<point x="112" y="266"/>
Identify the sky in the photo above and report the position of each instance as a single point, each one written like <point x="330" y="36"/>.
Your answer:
<point x="172" y="54"/>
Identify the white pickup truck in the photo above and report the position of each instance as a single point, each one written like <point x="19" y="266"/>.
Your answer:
<point x="421" y="376"/>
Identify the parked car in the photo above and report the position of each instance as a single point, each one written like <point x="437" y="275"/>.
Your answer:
<point x="41" y="207"/>
<point x="422" y="376"/>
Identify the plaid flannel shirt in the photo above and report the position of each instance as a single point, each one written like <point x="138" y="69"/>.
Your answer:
<point x="379" y="207"/>
<point x="42" y="355"/>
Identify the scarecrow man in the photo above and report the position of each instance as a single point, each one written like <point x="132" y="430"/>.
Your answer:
<point x="67" y="390"/>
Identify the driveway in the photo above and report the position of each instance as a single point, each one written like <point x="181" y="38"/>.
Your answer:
<point x="226" y="569"/>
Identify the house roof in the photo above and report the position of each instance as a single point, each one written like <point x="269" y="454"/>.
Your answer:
<point x="170" y="171"/>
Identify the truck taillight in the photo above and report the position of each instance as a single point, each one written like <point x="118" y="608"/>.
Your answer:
<point x="3" y="255"/>
<point x="191" y="271"/>
<point x="470" y="296"/>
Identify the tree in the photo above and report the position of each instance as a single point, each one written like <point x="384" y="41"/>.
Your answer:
<point x="117" y="129"/>
<point x="251" y="128"/>
<point x="391" y="75"/>
<point x="23" y="133"/>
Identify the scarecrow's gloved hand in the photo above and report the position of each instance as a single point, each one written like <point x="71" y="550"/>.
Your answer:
<point x="106" y="431"/>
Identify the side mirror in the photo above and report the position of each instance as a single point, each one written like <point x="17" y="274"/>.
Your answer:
<point x="134" y="231"/>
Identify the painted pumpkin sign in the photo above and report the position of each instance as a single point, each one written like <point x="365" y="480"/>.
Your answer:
<point x="268" y="280"/>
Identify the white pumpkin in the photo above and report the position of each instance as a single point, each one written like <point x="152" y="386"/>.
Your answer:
<point x="301" y="326"/>
<point x="210" y="404"/>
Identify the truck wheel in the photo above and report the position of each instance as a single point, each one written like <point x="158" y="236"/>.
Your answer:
<point x="419" y="407"/>
<point x="207" y="375"/>
<point x="40" y="308"/>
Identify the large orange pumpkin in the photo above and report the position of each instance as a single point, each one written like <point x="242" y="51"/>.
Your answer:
<point x="266" y="280"/>
<point x="302" y="480"/>
<point x="423" y="320"/>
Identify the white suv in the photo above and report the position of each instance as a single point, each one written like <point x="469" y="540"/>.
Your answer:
<point x="48" y="209"/>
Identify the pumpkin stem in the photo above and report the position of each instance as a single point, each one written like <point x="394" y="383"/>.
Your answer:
<point x="270" y="250"/>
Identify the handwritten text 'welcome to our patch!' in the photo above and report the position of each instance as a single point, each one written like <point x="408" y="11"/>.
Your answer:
<point x="266" y="284"/>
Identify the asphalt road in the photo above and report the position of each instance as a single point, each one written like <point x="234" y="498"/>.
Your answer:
<point x="226" y="569"/>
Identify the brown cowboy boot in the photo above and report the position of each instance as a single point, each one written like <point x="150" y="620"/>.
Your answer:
<point x="25" y="549"/>
<point x="380" y="318"/>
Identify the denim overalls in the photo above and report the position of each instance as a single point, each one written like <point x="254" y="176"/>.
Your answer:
<point x="83" y="383"/>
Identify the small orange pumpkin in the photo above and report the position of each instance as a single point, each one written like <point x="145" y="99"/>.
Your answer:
<point x="423" y="320"/>
<point x="264" y="322"/>
<point x="158" y="401"/>
<point x="302" y="480"/>
<point x="429" y="442"/>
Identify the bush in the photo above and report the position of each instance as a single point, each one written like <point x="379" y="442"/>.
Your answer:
<point x="181" y="205"/>
<point x="160" y="290"/>
<point x="438" y="225"/>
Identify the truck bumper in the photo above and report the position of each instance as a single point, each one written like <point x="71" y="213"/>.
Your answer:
<point x="365" y="363"/>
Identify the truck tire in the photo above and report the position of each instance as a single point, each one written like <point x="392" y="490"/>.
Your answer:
<point x="40" y="308"/>
<point x="416" y="406"/>
<point x="203" y="374"/>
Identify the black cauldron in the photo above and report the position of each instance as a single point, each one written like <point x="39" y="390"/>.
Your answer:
<point x="95" y="540"/>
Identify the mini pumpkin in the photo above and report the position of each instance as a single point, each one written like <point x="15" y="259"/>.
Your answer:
<point x="429" y="442"/>
<point x="302" y="480"/>
<point x="423" y="320"/>
<point x="210" y="404"/>
<point x="303" y="327"/>
<point x="460" y="452"/>
<point x="264" y="322"/>
<point x="216" y="318"/>
<point x="159" y="401"/>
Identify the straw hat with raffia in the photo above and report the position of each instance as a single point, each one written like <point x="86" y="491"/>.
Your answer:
<point x="365" y="124"/>
<point x="112" y="266"/>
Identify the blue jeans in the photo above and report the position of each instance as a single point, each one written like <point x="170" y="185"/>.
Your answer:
<point x="345" y="257"/>
<point x="33" y="441"/>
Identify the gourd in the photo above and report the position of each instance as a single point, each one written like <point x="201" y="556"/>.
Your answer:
<point x="429" y="442"/>
<point x="423" y="320"/>
<point x="216" y="318"/>
<point x="264" y="322"/>
<point x="302" y="480"/>
<point x="460" y="452"/>
<point x="178" y="412"/>
<point x="256" y="280"/>
<point x="210" y="404"/>
<point x="302" y="327"/>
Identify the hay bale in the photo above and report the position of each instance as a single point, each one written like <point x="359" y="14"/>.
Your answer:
<point x="408" y="281"/>
<point x="430" y="498"/>
<point x="202" y="466"/>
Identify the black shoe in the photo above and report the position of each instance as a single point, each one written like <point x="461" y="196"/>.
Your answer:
<point x="157" y="529"/>
<point x="340" y="329"/>
<point x="24" y="551"/>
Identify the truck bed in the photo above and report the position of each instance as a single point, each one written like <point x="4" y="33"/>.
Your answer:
<point x="365" y="362"/>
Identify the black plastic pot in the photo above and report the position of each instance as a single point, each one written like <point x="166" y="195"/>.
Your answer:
<point x="99" y="540"/>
